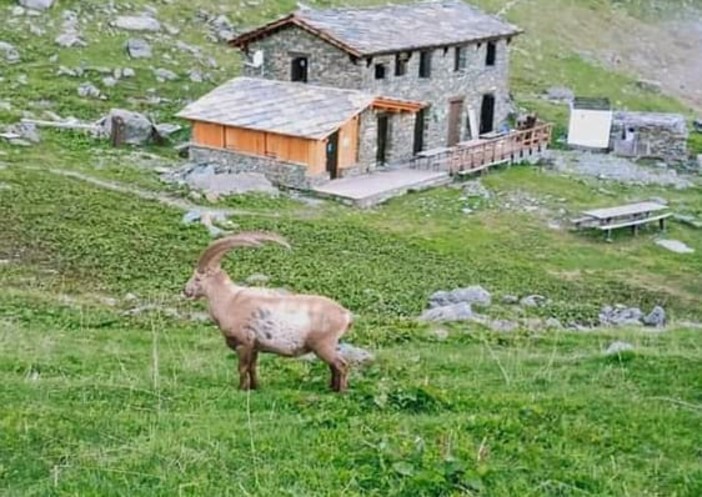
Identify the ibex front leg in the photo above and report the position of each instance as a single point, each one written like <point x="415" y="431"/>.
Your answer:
<point x="246" y="356"/>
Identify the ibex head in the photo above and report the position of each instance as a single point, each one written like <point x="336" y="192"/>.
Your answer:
<point x="209" y="266"/>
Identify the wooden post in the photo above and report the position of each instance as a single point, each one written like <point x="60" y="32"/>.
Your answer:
<point x="662" y="224"/>
<point x="117" y="131"/>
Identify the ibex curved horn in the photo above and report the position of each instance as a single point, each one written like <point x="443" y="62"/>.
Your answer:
<point x="212" y="256"/>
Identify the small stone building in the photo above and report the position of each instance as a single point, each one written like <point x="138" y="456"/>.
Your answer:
<point x="649" y="135"/>
<point x="421" y="77"/>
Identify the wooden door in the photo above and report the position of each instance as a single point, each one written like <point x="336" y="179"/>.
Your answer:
<point x="333" y="155"/>
<point x="454" y="122"/>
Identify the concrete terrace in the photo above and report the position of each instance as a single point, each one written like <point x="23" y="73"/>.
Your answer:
<point x="368" y="190"/>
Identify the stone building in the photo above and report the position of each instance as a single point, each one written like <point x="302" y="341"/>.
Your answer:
<point x="433" y="73"/>
<point x="649" y="135"/>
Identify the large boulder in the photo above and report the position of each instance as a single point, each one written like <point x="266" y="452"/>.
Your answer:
<point x="656" y="318"/>
<point x="138" y="130"/>
<point x="455" y="312"/>
<point x="472" y="295"/>
<point x="137" y="23"/>
<point x="36" y="4"/>
<point x="620" y="316"/>
<point x="138" y="48"/>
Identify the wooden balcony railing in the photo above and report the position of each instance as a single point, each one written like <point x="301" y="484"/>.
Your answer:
<point x="475" y="155"/>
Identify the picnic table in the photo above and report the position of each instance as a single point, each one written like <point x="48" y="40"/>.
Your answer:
<point x="631" y="215"/>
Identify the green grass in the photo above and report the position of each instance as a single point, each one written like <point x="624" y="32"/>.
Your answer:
<point x="98" y="403"/>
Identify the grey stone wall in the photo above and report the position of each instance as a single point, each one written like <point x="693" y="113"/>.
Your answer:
<point x="401" y="138"/>
<point x="278" y="172"/>
<point x="660" y="136"/>
<point x="327" y="65"/>
<point x="368" y="137"/>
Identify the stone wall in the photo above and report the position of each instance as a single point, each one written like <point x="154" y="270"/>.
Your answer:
<point x="327" y="65"/>
<point x="401" y="137"/>
<point x="660" y="136"/>
<point x="278" y="172"/>
<point x="367" y="140"/>
<point x="330" y="66"/>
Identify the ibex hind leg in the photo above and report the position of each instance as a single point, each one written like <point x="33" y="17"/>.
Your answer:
<point x="337" y="367"/>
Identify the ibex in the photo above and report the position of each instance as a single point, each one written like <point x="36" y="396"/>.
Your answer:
<point x="255" y="320"/>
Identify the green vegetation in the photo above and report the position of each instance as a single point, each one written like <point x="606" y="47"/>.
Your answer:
<point x="96" y="401"/>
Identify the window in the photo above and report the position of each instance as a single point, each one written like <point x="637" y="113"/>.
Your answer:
<point x="425" y="64"/>
<point x="491" y="54"/>
<point x="401" y="64"/>
<point x="459" y="62"/>
<point x="298" y="69"/>
<point x="380" y="71"/>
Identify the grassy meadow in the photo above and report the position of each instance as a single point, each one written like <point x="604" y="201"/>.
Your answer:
<point x="97" y="400"/>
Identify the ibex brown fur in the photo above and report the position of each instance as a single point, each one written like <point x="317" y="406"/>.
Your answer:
<point x="255" y="320"/>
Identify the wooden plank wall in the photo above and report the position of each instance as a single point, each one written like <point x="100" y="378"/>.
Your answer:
<point x="348" y="142"/>
<point x="311" y="153"/>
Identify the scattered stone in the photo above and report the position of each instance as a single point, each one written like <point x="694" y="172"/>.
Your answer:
<point x="167" y="129"/>
<point x="455" y="312"/>
<point x="137" y="23"/>
<point x="70" y="39"/>
<point x="620" y="316"/>
<point x="474" y="295"/>
<point x="617" y="348"/>
<point x="11" y="53"/>
<point x="195" y="76"/>
<point x="18" y="11"/>
<point x="502" y="325"/>
<point x="128" y="72"/>
<point x="688" y="220"/>
<point x="89" y="90"/>
<point x="675" y="246"/>
<point x="533" y="301"/>
<point x="109" y="81"/>
<point x="510" y="299"/>
<point x="649" y="85"/>
<point x="560" y="94"/>
<point x="36" y="4"/>
<point x="656" y="318"/>
<point x="138" y="48"/>
<point x="138" y="129"/>
<point x="553" y="324"/>
<point x="475" y="188"/>
<point x="163" y="75"/>
<point x="352" y="354"/>
<point x="440" y="333"/>
<point x="184" y="47"/>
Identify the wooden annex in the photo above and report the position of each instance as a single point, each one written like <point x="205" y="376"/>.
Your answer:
<point x="318" y="128"/>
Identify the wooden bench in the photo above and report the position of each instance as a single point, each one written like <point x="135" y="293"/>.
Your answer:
<point x="630" y="215"/>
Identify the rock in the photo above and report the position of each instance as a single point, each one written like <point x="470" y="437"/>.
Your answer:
<point x="195" y="76"/>
<point x="138" y="48"/>
<point x="533" y="301"/>
<point x="109" y="81"/>
<point x="9" y="51"/>
<point x="658" y="200"/>
<point x="510" y="299"/>
<point x="649" y="85"/>
<point x="128" y="72"/>
<point x="474" y="295"/>
<point x="257" y="279"/>
<point x="230" y="183"/>
<point x="89" y="90"/>
<point x="165" y="75"/>
<point x="70" y="39"/>
<point x="697" y="125"/>
<point x="560" y="94"/>
<point x="137" y="23"/>
<point x="36" y="4"/>
<point x="355" y="355"/>
<point x="475" y="188"/>
<point x="553" y="324"/>
<point x="656" y="318"/>
<point x="675" y="246"/>
<point x="455" y="312"/>
<point x="502" y="325"/>
<point x="167" y="129"/>
<point x="138" y="130"/>
<point x="688" y="220"/>
<point x="620" y="316"/>
<point x="441" y="334"/>
<point x="616" y="348"/>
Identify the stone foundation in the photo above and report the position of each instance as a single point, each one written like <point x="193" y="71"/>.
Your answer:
<point x="279" y="173"/>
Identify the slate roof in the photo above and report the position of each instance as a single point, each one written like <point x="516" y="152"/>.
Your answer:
<point x="296" y="109"/>
<point x="392" y="28"/>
